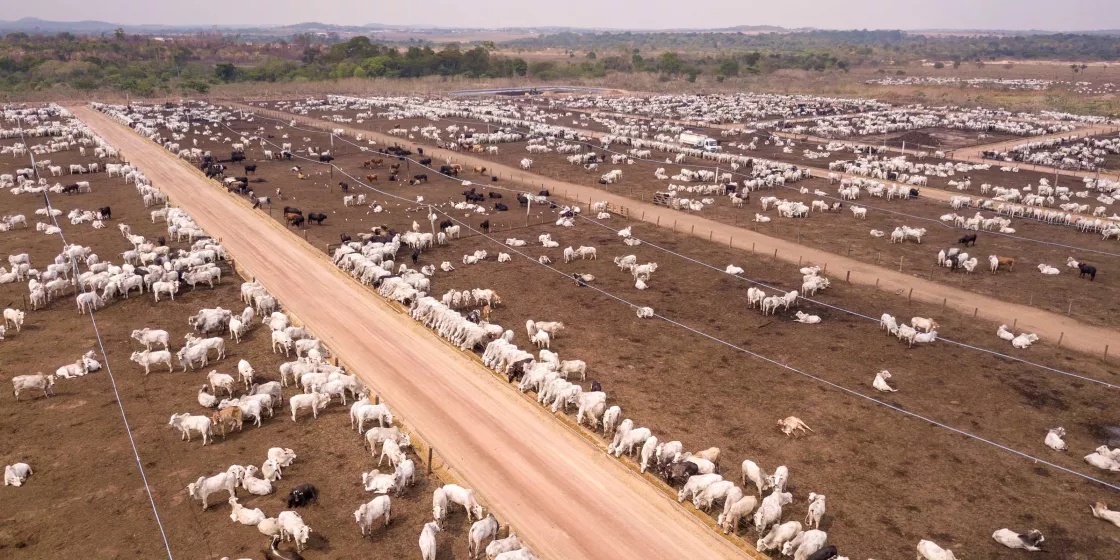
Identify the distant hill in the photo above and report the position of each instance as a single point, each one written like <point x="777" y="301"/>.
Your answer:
<point x="36" y="25"/>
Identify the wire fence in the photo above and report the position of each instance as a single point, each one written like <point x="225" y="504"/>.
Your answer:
<point x="774" y="362"/>
<point x="104" y="355"/>
<point x="976" y="311"/>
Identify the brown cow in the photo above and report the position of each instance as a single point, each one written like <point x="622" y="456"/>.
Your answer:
<point x="371" y="178"/>
<point x="395" y="167"/>
<point x="231" y="415"/>
<point x="1007" y="262"/>
<point x="456" y="169"/>
<point x="480" y="170"/>
<point x="372" y="163"/>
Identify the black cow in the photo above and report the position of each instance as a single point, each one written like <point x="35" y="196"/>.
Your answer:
<point x="302" y="495"/>
<point x="1087" y="269"/>
<point x="596" y="386"/>
<point x="493" y="179"/>
<point x="426" y="161"/>
<point x="317" y="218"/>
<point x="475" y="197"/>
<point x="826" y="553"/>
<point x="295" y="220"/>
<point x="445" y="169"/>
<point x="485" y="225"/>
<point x="580" y="282"/>
<point x="500" y="207"/>
<point x="913" y="193"/>
<point x="162" y="241"/>
<point x="543" y="193"/>
<point x="250" y="169"/>
<point x="420" y="177"/>
<point x="522" y="200"/>
<point x="237" y="156"/>
<point x="326" y="159"/>
<point x="675" y="473"/>
<point x="70" y="189"/>
<point x="494" y="195"/>
<point x="344" y="238"/>
<point x="446" y="224"/>
<point x="421" y="152"/>
<point x="106" y="213"/>
<point x="517" y="370"/>
<point x="291" y="210"/>
<point x="344" y="186"/>
<point x="967" y="240"/>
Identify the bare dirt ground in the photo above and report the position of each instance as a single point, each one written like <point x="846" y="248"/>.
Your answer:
<point x="704" y="393"/>
<point x="540" y="476"/>
<point x="844" y="235"/>
<point x="935" y="138"/>
<point x="87" y="498"/>
<point x="1088" y="338"/>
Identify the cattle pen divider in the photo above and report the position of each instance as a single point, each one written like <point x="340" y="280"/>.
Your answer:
<point x="443" y="470"/>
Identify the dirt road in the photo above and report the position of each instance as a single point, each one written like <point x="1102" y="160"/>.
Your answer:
<point x="1050" y="326"/>
<point x="566" y="497"/>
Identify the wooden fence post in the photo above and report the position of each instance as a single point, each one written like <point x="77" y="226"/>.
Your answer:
<point x="429" y="460"/>
<point x="910" y="296"/>
<point x="1060" y="337"/>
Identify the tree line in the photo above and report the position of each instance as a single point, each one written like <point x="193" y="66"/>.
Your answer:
<point x="145" y="65"/>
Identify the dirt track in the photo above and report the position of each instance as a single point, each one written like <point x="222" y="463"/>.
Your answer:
<point x="566" y="498"/>
<point x="1077" y="335"/>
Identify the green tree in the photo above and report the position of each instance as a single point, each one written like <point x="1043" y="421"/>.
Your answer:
<point x="225" y="71"/>
<point x="729" y="67"/>
<point x="938" y="65"/>
<point x="197" y="86"/>
<point x="119" y="33"/>
<point x="670" y="63"/>
<point x="520" y="67"/>
<point x="476" y="61"/>
<point x="591" y="55"/>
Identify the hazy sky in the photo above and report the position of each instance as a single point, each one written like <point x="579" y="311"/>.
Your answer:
<point x="634" y="14"/>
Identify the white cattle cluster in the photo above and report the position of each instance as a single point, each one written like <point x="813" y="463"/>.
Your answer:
<point x="720" y="108"/>
<point x="1065" y="152"/>
<point x="917" y="118"/>
<point x="920" y="330"/>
